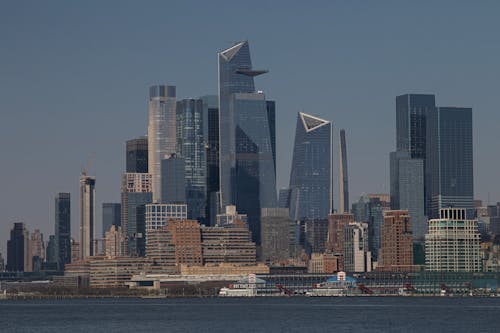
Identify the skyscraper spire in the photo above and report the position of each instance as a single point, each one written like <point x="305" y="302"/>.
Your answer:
<point x="343" y="180"/>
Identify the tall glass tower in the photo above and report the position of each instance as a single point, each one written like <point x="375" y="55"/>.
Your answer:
<point x="191" y="147"/>
<point x="161" y="132"/>
<point x="450" y="159"/>
<point x="247" y="172"/>
<point x="311" y="177"/>
<point x="87" y="216"/>
<point x="63" y="228"/>
<point x="137" y="155"/>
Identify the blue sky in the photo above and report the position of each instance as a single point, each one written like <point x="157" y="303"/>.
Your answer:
<point x="74" y="80"/>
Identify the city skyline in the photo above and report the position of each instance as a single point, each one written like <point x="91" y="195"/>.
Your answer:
<point x="42" y="111"/>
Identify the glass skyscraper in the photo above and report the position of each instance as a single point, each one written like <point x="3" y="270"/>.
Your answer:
<point x="450" y="159"/>
<point x="137" y="155"/>
<point x="311" y="178"/>
<point x="161" y="132"/>
<point x="247" y="168"/>
<point x="63" y="229"/>
<point x="111" y="215"/>
<point x="191" y="147"/>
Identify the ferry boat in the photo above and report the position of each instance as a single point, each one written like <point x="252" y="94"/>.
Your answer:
<point x="248" y="287"/>
<point x="338" y="285"/>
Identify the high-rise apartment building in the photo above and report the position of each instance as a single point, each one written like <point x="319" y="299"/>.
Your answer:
<point x="111" y="216"/>
<point x="191" y="147"/>
<point x="452" y="243"/>
<point x="343" y="180"/>
<point x="247" y="169"/>
<point x="63" y="229"/>
<point x="136" y="193"/>
<point x="137" y="155"/>
<point x="87" y="216"/>
<point x="311" y="177"/>
<point x="161" y="132"/>
<point x="449" y="168"/>
<point x="396" y="245"/>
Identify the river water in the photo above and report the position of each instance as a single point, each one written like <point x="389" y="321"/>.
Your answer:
<point x="273" y="314"/>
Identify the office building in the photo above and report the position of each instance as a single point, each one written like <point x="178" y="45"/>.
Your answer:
<point x="186" y="237"/>
<point x="37" y="245"/>
<point x="343" y="180"/>
<point x="2" y="263"/>
<point x="136" y="193"/>
<point x="111" y="216"/>
<point x="452" y="243"/>
<point x="247" y="169"/>
<point x="173" y="180"/>
<point x="211" y="138"/>
<point x="276" y="228"/>
<point x="316" y="235"/>
<point x="450" y="159"/>
<point x="337" y="224"/>
<point x="161" y="132"/>
<point x="63" y="229"/>
<point x="191" y="147"/>
<point x="228" y="245"/>
<point x="18" y="249"/>
<point x="284" y="198"/>
<point x="408" y="189"/>
<point x="396" y="244"/>
<point x="311" y="178"/>
<point x="137" y="155"/>
<point x="52" y="254"/>
<point x="87" y="216"/>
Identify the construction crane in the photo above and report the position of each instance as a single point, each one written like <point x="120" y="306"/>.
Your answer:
<point x="86" y="168"/>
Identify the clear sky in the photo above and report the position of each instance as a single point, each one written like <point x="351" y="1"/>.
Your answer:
<point x="74" y="79"/>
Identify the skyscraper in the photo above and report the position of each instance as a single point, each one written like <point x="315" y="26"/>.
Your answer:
<point x="137" y="155"/>
<point x="311" y="178"/>
<point x="18" y="249"/>
<point x="343" y="181"/>
<point x="161" y="132"/>
<point x="136" y="193"/>
<point x="191" y="147"/>
<point x="449" y="168"/>
<point x="211" y="134"/>
<point x="63" y="229"/>
<point x="87" y="216"/>
<point x="173" y="180"/>
<point x="111" y="215"/>
<point x="276" y="232"/>
<point x="247" y="173"/>
<point x="396" y="245"/>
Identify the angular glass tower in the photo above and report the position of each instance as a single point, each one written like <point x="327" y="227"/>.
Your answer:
<point x="247" y="172"/>
<point x="311" y="177"/>
<point x="450" y="159"/>
<point x="161" y="132"/>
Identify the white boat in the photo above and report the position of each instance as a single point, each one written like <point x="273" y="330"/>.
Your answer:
<point x="339" y="285"/>
<point x="247" y="287"/>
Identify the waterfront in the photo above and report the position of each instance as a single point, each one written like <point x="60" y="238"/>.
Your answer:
<point x="295" y="314"/>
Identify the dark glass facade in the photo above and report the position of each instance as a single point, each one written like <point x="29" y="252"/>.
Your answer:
<point x="136" y="224"/>
<point x="310" y="178"/>
<point x="191" y="147"/>
<point x="16" y="247"/>
<point x="173" y="180"/>
<point x="111" y="215"/>
<point x="247" y="168"/>
<point x="63" y="229"/>
<point x="211" y="133"/>
<point x="137" y="155"/>
<point x="450" y="159"/>
<point x="344" y="180"/>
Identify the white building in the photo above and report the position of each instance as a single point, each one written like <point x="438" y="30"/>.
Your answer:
<point x="452" y="243"/>
<point x="357" y="255"/>
<point x="157" y="215"/>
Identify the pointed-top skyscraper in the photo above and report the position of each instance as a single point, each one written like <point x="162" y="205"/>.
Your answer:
<point x="311" y="176"/>
<point x="247" y="173"/>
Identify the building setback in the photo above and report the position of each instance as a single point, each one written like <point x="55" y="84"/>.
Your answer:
<point x="452" y="243"/>
<point x="247" y="168"/>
